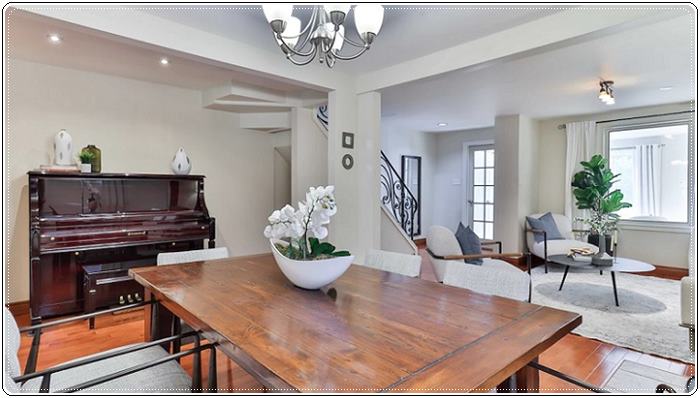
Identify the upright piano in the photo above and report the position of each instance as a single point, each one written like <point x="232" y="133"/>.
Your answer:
<point x="87" y="230"/>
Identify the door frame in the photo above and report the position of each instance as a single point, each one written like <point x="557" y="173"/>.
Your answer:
<point x="467" y="178"/>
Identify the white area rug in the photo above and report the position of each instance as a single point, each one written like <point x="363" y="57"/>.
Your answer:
<point x="646" y="320"/>
<point x="632" y="377"/>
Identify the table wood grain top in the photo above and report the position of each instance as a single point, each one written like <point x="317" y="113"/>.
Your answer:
<point x="368" y="331"/>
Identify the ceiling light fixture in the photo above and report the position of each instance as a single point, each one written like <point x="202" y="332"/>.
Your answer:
<point x="605" y="94"/>
<point x="164" y="61"/>
<point x="324" y="35"/>
<point x="55" y="38"/>
<point x="442" y="124"/>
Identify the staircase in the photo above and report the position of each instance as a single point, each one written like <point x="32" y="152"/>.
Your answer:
<point x="398" y="199"/>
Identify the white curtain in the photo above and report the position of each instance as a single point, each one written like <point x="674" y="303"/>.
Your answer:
<point x="649" y="156"/>
<point x="583" y="140"/>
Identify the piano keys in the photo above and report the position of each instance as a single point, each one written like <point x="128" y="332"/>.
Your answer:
<point x="82" y="226"/>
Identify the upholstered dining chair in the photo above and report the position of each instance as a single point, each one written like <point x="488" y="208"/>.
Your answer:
<point x="542" y="246"/>
<point x="171" y="258"/>
<point x="494" y="276"/>
<point x="137" y="368"/>
<point x="168" y="258"/>
<point x="398" y="263"/>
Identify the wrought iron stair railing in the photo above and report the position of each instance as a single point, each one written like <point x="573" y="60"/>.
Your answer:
<point x="397" y="197"/>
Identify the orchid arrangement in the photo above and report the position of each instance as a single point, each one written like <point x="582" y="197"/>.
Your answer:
<point x="304" y="227"/>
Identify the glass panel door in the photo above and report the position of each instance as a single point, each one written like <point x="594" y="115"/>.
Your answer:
<point x="481" y="190"/>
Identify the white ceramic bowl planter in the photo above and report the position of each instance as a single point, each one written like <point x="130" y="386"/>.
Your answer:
<point x="310" y="274"/>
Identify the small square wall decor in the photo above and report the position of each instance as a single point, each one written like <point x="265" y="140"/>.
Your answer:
<point x="348" y="140"/>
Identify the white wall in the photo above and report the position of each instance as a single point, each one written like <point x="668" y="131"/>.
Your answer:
<point x="309" y="154"/>
<point x="397" y="142"/>
<point x="138" y="126"/>
<point x="450" y="173"/>
<point x="660" y="248"/>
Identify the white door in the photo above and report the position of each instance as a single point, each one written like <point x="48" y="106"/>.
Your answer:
<point x="480" y="192"/>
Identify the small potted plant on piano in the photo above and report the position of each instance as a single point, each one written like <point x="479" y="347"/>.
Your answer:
<point x="86" y="161"/>
<point x="295" y="236"/>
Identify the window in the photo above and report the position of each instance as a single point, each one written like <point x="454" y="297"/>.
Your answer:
<point x="652" y="161"/>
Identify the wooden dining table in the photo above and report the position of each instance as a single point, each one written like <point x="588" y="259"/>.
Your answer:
<point x="369" y="331"/>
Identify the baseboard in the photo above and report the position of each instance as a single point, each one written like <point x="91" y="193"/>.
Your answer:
<point x="19" y="308"/>
<point x="420" y="242"/>
<point x="666" y="272"/>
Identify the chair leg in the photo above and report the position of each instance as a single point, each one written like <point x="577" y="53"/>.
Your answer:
<point x="197" y="367"/>
<point x="212" y="382"/>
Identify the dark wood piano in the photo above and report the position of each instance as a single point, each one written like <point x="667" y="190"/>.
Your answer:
<point x="87" y="230"/>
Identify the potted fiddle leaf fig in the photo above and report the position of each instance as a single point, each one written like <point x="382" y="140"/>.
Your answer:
<point x="592" y="188"/>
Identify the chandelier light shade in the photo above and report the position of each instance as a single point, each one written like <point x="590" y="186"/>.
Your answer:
<point x="291" y="32"/>
<point x="324" y="36"/>
<point x="605" y="95"/>
<point x="368" y="18"/>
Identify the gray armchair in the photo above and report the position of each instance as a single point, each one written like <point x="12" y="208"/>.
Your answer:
<point x="137" y="368"/>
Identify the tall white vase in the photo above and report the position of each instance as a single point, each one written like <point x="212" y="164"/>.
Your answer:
<point x="181" y="163"/>
<point x="63" y="149"/>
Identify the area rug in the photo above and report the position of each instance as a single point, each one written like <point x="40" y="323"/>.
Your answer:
<point x="633" y="377"/>
<point x="646" y="320"/>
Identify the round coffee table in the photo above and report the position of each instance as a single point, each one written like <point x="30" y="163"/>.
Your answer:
<point x="620" y="264"/>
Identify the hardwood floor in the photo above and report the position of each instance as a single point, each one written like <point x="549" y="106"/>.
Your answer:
<point x="586" y="359"/>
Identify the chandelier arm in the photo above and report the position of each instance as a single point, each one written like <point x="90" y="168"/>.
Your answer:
<point x="351" y="57"/>
<point x="351" y="42"/>
<point x="304" y="62"/>
<point x="312" y="22"/>
<point x="293" y="51"/>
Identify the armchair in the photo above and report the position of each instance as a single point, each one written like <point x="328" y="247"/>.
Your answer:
<point x="494" y="276"/>
<point x="145" y="367"/>
<point x="549" y="247"/>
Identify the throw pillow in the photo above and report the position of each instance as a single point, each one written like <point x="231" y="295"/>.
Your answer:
<point x="469" y="242"/>
<point x="545" y="223"/>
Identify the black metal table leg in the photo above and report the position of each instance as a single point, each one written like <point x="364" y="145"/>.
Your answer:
<point x="566" y="271"/>
<point x="617" y="302"/>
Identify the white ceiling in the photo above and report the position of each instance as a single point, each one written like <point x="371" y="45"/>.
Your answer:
<point x="559" y="82"/>
<point x="87" y="50"/>
<point x="408" y="31"/>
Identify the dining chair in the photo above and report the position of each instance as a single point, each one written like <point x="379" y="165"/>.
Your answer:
<point x="137" y="368"/>
<point x="171" y="258"/>
<point x="398" y="263"/>
<point x="168" y="258"/>
<point x="494" y="276"/>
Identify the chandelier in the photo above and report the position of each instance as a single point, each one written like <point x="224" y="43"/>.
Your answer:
<point x="324" y="36"/>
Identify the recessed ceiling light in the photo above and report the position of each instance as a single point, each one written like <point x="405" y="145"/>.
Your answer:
<point x="164" y="61"/>
<point x="55" y="38"/>
<point x="442" y="124"/>
<point x="666" y="88"/>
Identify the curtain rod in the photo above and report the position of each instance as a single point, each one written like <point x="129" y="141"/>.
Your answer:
<point x="563" y="126"/>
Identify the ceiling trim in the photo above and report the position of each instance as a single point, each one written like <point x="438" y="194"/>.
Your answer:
<point x="546" y="31"/>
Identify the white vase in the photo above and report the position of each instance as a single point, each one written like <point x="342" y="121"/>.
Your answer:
<point x="181" y="163"/>
<point x="85" y="167"/>
<point x="313" y="274"/>
<point x="63" y="149"/>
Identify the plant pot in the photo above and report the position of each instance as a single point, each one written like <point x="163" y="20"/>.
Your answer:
<point x="593" y="239"/>
<point x="312" y="274"/>
<point x="86" y="168"/>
